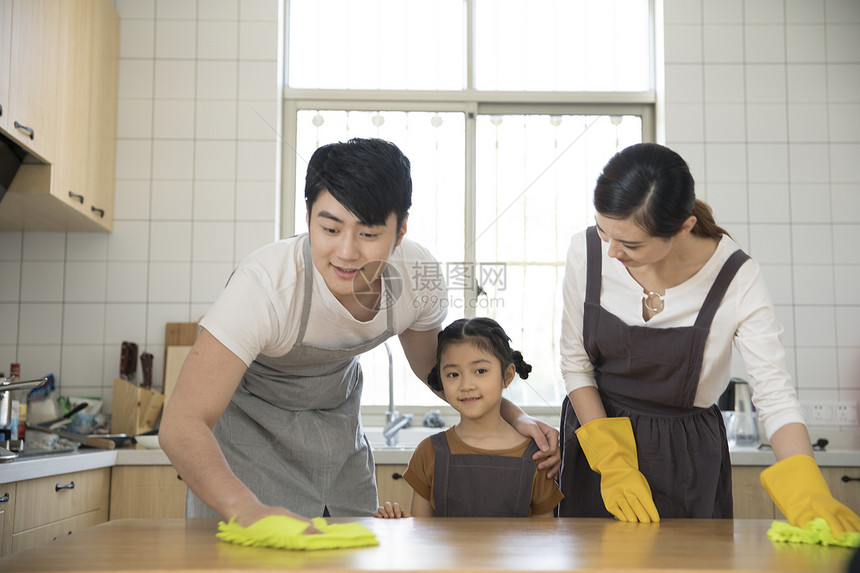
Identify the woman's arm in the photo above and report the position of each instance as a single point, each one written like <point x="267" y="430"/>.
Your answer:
<point x="205" y="386"/>
<point x="544" y="435"/>
<point x="587" y="404"/>
<point x="791" y="440"/>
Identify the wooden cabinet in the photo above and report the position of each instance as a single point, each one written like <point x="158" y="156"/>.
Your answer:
<point x="31" y="50"/>
<point x="71" y="188"/>
<point x="751" y="501"/>
<point x="391" y="485"/>
<point x="7" y="516"/>
<point x="146" y="492"/>
<point x="51" y="507"/>
<point x="846" y="491"/>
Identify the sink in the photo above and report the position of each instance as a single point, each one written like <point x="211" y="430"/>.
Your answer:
<point x="409" y="437"/>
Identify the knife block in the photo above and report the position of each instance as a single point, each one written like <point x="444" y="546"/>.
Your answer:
<point x="135" y="410"/>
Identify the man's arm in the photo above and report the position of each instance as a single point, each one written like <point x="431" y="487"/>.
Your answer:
<point x="209" y="376"/>
<point x="419" y="346"/>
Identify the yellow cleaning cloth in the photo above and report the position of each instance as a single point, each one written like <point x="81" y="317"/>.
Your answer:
<point x="814" y="532"/>
<point x="283" y="532"/>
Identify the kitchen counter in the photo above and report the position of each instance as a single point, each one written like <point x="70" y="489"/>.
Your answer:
<point x="463" y="544"/>
<point x="89" y="458"/>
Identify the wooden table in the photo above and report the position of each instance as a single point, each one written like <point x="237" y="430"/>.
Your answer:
<point x="465" y="544"/>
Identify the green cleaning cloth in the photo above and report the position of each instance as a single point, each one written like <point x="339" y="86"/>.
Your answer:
<point x="283" y="532"/>
<point x="814" y="532"/>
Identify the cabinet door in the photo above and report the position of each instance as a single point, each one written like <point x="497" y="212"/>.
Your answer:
<point x="34" y="69"/>
<point x="7" y="517"/>
<point x="104" y="69"/>
<point x="750" y="500"/>
<point x="53" y="531"/>
<point x="146" y="492"/>
<point x="69" y="183"/>
<point x="392" y="487"/>
<point x="848" y="492"/>
<point x="5" y="59"/>
<point x="55" y="498"/>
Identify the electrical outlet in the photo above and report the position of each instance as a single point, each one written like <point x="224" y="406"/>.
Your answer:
<point x="822" y="413"/>
<point x="846" y="413"/>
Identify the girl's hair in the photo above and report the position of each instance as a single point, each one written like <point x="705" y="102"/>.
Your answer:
<point x="486" y="334"/>
<point x="653" y="185"/>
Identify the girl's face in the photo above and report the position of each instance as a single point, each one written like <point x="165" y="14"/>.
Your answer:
<point x="629" y="243"/>
<point x="473" y="379"/>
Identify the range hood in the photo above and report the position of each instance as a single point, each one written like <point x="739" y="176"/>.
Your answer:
<point x="11" y="155"/>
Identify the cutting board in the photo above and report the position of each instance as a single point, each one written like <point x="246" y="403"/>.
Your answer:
<point x="178" y="334"/>
<point x="174" y="357"/>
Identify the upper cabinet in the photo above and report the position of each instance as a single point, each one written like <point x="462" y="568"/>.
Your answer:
<point x="63" y="63"/>
<point x="31" y="29"/>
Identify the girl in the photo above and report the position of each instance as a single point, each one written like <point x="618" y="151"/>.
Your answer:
<point x="655" y="294"/>
<point x="482" y="467"/>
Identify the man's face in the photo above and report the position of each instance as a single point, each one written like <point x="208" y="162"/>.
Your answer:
<point x="350" y="255"/>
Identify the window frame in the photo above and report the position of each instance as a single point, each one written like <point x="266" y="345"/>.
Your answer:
<point x="472" y="103"/>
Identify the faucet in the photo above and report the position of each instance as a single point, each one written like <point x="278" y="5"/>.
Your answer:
<point x="394" y="421"/>
<point x="6" y="387"/>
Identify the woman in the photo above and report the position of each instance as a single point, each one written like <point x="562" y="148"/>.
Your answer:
<point x="646" y="345"/>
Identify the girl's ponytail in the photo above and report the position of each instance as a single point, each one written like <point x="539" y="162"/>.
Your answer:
<point x="523" y="368"/>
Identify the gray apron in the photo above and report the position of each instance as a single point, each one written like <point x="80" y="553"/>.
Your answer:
<point x="481" y="485"/>
<point x="292" y="432"/>
<point x="651" y="376"/>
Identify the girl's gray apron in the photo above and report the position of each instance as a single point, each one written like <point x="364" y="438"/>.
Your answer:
<point x="481" y="485"/>
<point x="651" y="375"/>
<point x="292" y="432"/>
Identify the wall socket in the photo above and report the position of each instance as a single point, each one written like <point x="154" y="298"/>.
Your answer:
<point x="826" y="413"/>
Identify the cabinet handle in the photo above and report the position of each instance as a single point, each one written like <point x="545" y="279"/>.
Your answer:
<point x="101" y="212"/>
<point x="1" y="110"/>
<point x="846" y="479"/>
<point x="396" y="475"/>
<point x="25" y="129"/>
<point x="77" y="197"/>
<point x="70" y="485"/>
<point x="5" y="498"/>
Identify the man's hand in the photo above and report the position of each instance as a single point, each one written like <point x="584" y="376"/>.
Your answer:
<point x="253" y="515"/>
<point x="546" y="438"/>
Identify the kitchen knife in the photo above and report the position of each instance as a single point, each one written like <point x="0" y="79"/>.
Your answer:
<point x="123" y="361"/>
<point x="132" y="360"/>
<point x="146" y="368"/>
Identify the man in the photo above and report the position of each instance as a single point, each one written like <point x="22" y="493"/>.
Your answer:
<point x="264" y="419"/>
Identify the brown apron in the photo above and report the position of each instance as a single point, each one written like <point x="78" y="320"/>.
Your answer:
<point x="481" y="485"/>
<point x="651" y="376"/>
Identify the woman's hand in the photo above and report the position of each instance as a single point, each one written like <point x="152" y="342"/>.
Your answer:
<point x="390" y="511"/>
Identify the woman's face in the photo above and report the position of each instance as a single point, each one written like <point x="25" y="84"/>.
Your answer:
<point x="629" y="243"/>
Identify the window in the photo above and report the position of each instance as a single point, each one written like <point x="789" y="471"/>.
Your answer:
<point x="506" y="128"/>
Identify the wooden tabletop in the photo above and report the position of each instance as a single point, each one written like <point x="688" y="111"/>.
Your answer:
<point x="464" y="544"/>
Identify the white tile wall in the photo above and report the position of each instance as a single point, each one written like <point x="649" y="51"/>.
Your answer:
<point x="777" y="119"/>
<point x="196" y="187"/>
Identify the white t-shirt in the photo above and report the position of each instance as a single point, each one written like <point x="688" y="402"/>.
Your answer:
<point x="260" y="309"/>
<point x="745" y="317"/>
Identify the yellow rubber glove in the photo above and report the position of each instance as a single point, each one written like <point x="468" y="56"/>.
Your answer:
<point x="798" y="489"/>
<point x="610" y="448"/>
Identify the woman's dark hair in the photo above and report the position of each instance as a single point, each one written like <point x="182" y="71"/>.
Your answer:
<point x="370" y="177"/>
<point x="486" y="334"/>
<point x="653" y="185"/>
